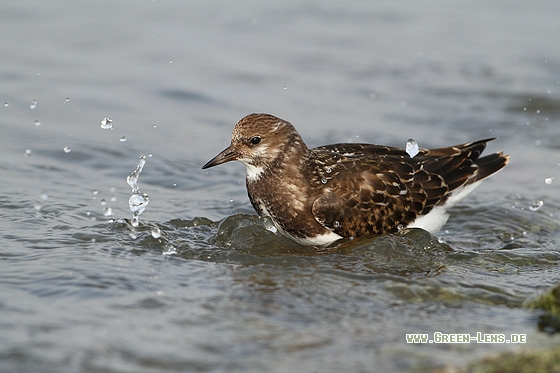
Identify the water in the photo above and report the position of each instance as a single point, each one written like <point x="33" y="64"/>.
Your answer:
<point x="107" y="124"/>
<point x="201" y="284"/>
<point x="411" y="147"/>
<point x="137" y="201"/>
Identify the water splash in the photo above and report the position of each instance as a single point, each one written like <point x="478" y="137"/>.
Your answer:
<point x="536" y="205"/>
<point x="107" y="124"/>
<point x="156" y="232"/>
<point x="269" y="225"/>
<point x="169" y="250"/>
<point x="412" y="147"/>
<point x="137" y="201"/>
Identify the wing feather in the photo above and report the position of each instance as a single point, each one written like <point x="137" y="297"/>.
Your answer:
<point x="379" y="188"/>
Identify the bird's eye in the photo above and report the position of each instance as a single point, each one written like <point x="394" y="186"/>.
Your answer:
<point x="255" y="140"/>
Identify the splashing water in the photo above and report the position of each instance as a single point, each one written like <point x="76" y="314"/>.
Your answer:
<point x="107" y="124"/>
<point x="412" y="147"/>
<point x="137" y="201"/>
<point x="156" y="232"/>
<point x="269" y="225"/>
<point x="169" y="250"/>
<point x="536" y="205"/>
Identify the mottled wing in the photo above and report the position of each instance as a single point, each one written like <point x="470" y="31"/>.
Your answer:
<point x="378" y="188"/>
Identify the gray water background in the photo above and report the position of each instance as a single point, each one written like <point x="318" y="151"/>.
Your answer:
<point x="81" y="290"/>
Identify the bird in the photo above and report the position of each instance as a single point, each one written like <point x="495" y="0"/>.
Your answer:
<point x="321" y="195"/>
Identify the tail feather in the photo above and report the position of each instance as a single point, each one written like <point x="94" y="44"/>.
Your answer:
<point x="459" y="166"/>
<point x="491" y="164"/>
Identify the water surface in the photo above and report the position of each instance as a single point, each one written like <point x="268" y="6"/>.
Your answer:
<point x="200" y="284"/>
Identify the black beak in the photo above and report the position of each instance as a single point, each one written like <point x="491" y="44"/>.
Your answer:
<point x="228" y="154"/>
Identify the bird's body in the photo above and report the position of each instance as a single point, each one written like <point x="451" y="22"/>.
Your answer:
<point x="318" y="196"/>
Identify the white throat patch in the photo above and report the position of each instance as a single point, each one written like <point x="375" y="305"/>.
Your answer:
<point x="253" y="173"/>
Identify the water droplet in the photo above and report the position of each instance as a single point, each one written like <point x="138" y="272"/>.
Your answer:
<point x="536" y="205"/>
<point x="169" y="250"/>
<point x="400" y="227"/>
<point x="108" y="211"/>
<point x="324" y="180"/>
<point x="107" y="124"/>
<point x="67" y="149"/>
<point x="103" y="202"/>
<point x="37" y="123"/>
<point x="28" y="152"/>
<point x="33" y="104"/>
<point x="132" y="235"/>
<point x="412" y="148"/>
<point x="155" y="125"/>
<point x="67" y="99"/>
<point x="44" y="197"/>
<point x="156" y="232"/>
<point x="6" y="104"/>
<point x="441" y="240"/>
<point x="336" y="224"/>
<point x="538" y="111"/>
<point x="123" y="139"/>
<point x="269" y="225"/>
<point x="37" y="206"/>
<point x="328" y="170"/>
<point x="113" y="199"/>
<point x="285" y="87"/>
<point x="170" y="61"/>
<point x="137" y="202"/>
<point x="132" y="179"/>
<point x="95" y="192"/>
<point x="548" y="180"/>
